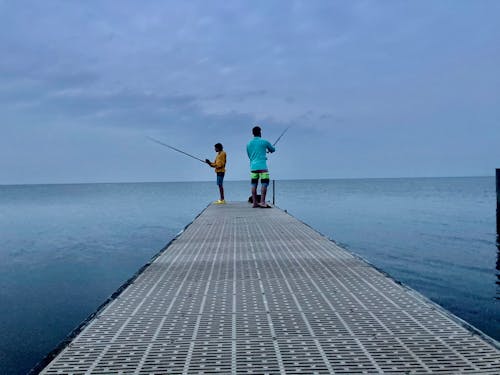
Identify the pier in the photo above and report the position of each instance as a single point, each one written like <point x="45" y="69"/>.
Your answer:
<point x="256" y="291"/>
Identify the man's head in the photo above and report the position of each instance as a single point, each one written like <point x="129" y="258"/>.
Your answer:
<point x="218" y="147"/>
<point x="256" y="131"/>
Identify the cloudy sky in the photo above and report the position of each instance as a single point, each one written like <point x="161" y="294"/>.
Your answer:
<point x="369" y="88"/>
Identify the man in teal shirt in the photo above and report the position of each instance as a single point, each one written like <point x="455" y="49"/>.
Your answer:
<point x="256" y="151"/>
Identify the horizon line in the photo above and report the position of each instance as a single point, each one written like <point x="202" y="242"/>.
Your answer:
<point x="200" y="181"/>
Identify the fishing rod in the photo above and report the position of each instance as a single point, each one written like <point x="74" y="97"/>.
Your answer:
<point x="281" y="135"/>
<point x="175" y="149"/>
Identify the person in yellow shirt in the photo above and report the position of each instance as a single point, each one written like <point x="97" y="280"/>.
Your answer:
<point x="220" y="169"/>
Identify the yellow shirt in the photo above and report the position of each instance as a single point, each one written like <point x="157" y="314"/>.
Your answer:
<point x="220" y="162"/>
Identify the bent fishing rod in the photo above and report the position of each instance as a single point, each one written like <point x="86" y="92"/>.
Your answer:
<point x="175" y="149"/>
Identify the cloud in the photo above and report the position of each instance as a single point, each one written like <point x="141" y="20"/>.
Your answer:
<point x="347" y="76"/>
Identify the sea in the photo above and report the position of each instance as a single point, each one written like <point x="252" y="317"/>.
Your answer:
<point x="64" y="249"/>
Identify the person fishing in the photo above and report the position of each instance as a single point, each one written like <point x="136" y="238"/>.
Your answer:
<point x="220" y="169"/>
<point x="256" y="151"/>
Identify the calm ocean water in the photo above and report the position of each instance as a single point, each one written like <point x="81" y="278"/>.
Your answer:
<point x="66" y="248"/>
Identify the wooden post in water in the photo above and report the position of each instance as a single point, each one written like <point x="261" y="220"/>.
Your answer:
<point x="275" y="181"/>
<point x="498" y="202"/>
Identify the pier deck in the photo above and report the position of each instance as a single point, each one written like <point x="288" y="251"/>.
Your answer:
<point x="255" y="291"/>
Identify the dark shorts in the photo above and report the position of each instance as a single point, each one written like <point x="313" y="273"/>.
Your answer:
<point x="220" y="178"/>
<point x="263" y="175"/>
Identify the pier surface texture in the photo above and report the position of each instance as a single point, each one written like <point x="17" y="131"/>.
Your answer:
<point x="255" y="291"/>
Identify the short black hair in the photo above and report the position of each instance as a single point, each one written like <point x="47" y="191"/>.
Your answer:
<point x="218" y="146"/>
<point x="256" y="131"/>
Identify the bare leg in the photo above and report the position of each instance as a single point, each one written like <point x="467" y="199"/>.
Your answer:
<point x="263" y="191"/>
<point x="254" y="196"/>
<point x="221" y="191"/>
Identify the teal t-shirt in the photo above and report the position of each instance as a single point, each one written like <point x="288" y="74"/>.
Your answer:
<point x="256" y="151"/>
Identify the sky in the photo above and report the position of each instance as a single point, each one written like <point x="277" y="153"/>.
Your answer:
<point x="368" y="88"/>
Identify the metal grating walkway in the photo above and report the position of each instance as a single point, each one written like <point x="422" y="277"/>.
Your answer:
<point x="255" y="291"/>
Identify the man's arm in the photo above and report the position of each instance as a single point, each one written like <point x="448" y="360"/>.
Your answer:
<point x="270" y="147"/>
<point x="223" y="159"/>
<point x="220" y="161"/>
